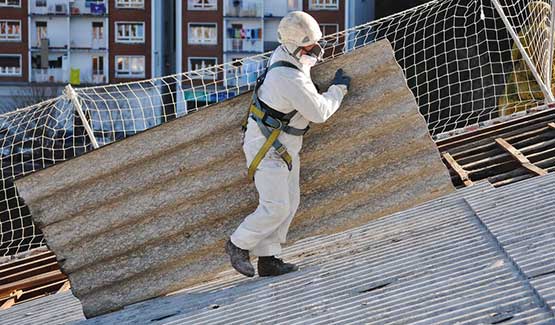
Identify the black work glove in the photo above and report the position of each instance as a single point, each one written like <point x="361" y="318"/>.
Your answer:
<point x="341" y="78"/>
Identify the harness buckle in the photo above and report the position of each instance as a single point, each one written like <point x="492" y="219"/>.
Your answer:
<point x="265" y="121"/>
<point x="281" y="150"/>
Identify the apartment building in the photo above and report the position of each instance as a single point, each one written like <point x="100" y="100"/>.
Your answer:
<point x="82" y="42"/>
<point x="50" y="43"/>
<point x="14" y="62"/>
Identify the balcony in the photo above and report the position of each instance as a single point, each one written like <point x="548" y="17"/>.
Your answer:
<point x="94" y="45"/>
<point x="49" y="7"/>
<point x="243" y="73"/>
<point x="244" y="8"/>
<point x="48" y="75"/>
<point x="94" y="79"/>
<point x="57" y="46"/>
<point x="80" y="8"/>
<point x="244" y="45"/>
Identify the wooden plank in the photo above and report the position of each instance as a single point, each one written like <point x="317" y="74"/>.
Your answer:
<point x="520" y="157"/>
<point x="8" y="271"/>
<point x="11" y="300"/>
<point x="30" y="283"/>
<point x="551" y="125"/>
<point x="65" y="287"/>
<point x="30" y="272"/>
<point x="24" y="260"/>
<point x="463" y="174"/>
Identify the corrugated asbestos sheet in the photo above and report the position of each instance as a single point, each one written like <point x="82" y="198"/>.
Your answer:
<point x="480" y="256"/>
<point x="504" y="153"/>
<point x="150" y="214"/>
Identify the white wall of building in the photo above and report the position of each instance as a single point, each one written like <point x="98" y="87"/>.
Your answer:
<point x="270" y="30"/>
<point x="81" y="31"/>
<point x="275" y="8"/>
<point x="57" y="29"/>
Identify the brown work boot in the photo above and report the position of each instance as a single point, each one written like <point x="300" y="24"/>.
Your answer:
<point x="271" y="266"/>
<point x="240" y="259"/>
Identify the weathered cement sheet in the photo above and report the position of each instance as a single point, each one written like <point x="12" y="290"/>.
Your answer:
<point x="149" y="215"/>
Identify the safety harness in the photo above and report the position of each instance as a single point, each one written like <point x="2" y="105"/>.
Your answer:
<point x="271" y="123"/>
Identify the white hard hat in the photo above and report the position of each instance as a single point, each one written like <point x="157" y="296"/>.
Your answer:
<point x="298" y="29"/>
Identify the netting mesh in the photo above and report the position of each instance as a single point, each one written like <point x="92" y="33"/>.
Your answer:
<point x="466" y="61"/>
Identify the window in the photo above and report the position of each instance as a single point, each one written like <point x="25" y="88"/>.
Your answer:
<point x="130" y="66"/>
<point x="40" y="3"/>
<point x="98" y="65"/>
<point x="203" y="34"/>
<point x="203" y="63"/>
<point x="10" y="65"/>
<point x="97" y="30"/>
<point x="328" y="29"/>
<point x="323" y="4"/>
<point x="203" y="5"/>
<point x="10" y="30"/>
<point x="130" y="4"/>
<point x="130" y="32"/>
<point x="41" y="27"/>
<point x="10" y="3"/>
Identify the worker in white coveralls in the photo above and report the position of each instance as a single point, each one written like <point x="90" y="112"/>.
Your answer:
<point x="285" y="100"/>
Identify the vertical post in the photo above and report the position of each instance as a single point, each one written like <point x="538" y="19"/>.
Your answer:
<point x="70" y="93"/>
<point x="551" y="40"/>
<point x="546" y="91"/>
<point x="180" y="107"/>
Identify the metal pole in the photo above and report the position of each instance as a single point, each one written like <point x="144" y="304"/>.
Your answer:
<point x="546" y="91"/>
<point x="70" y="92"/>
<point x="550" y="57"/>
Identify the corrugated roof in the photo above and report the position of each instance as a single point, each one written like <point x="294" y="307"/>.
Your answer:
<point x="60" y="308"/>
<point x="482" y="255"/>
<point x="150" y="214"/>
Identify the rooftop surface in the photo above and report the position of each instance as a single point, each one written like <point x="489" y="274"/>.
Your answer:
<point x="480" y="255"/>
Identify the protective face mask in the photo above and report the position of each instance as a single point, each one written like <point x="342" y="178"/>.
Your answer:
<point x="308" y="60"/>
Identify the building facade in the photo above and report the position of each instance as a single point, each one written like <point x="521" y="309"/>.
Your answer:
<point x="82" y="42"/>
<point x="51" y="43"/>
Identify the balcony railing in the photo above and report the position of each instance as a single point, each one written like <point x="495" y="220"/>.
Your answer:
<point x="244" y="8"/>
<point x="95" y="79"/>
<point x="44" y="7"/>
<point x="48" y="75"/>
<point x="244" y="45"/>
<point x="79" y="7"/>
<point x="94" y="44"/>
<point x="52" y="46"/>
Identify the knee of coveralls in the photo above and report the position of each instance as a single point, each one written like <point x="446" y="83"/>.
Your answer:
<point x="294" y="200"/>
<point x="271" y="181"/>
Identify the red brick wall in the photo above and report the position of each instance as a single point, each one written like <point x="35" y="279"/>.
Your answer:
<point x="204" y="16"/>
<point x="328" y="16"/>
<point x="121" y="15"/>
<point x="17" y="47"/>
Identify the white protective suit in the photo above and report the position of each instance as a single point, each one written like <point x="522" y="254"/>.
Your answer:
<point x="285" y="89"/>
